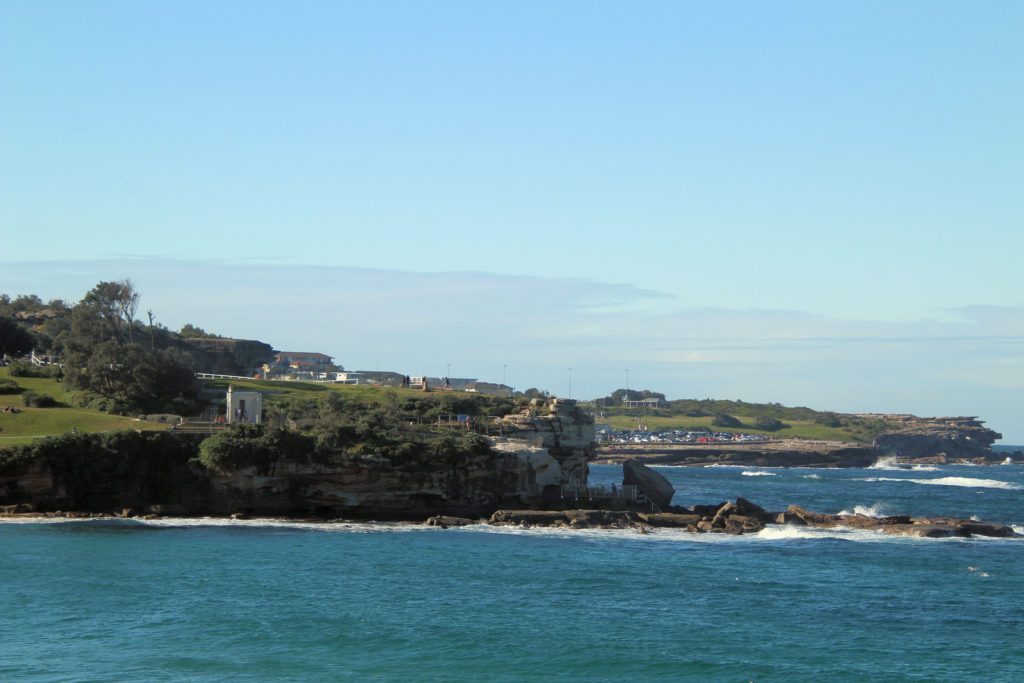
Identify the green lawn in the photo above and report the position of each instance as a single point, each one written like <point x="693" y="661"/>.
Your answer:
<point x="37" y="384"/>
<point x="29" y="424"/>
<point x="43" y="421"/>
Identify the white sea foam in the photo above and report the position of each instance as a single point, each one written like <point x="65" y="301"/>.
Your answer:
<point x="788" y="532"/>
<point x="756" y="473"/>
<point x="771" y="534"/>
<point x="653" y="535"/>
<point x="967" y="482"/>
<point x="257" y="523"/>
<point x="887" y="462"/>
<point x="46" y="520"/>
<point x="890" y="462"/>
<point x="284" y="524"/>
<point x="810" y="476"/>
<point x="876" y="510"/>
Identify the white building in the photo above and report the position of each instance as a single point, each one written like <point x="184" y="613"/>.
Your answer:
<point x="244" y="406"/>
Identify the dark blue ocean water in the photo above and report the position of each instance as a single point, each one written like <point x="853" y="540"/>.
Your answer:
<point x="204" y="600"/>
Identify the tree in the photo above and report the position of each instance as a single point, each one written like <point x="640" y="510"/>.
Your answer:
<point x="193" y="331"/>
<point x="768" y="424"/>
<point x="110" y="307"/>
<point x="14" y="339"/>
<point x="101" y="354"/>
<point x="621" y="395"/>
<point x="829" y="420"/>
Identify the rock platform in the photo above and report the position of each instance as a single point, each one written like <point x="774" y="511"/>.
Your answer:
<point x="743" y="517"/>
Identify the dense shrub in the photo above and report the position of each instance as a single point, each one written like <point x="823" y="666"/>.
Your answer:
<point x="829" y="420"/>
<point x="93" y="401"/>
<point x="104" y="472"/>
<point x="19" y="369"/>
<point x="34" y="399"/>
<point x="252" y="446"/>
<point x="725" y="420"/>
<point x="768" y="424"/>
<point x="9" y="386"/>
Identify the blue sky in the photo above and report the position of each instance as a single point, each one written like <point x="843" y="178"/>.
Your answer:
<point x="812" y="203"/>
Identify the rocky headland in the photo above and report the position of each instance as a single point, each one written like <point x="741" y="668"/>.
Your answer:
<point x="912" y="440"/>
<point x="546" y="446"/>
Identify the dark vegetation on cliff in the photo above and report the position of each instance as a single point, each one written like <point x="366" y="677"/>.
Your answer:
<point x="329" y="430"/>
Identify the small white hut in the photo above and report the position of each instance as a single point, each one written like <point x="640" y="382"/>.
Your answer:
<point x="244" y="406"/>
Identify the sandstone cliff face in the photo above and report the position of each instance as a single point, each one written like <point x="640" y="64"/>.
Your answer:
<point x="376" y="488"/>
<point x="567" y="434"/>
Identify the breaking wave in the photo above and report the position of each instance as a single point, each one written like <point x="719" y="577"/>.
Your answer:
<point x="757" y="473"/>
<point x="876" y="510"/>
<point x="967" y="482"/>
<point x="887" y="462"/>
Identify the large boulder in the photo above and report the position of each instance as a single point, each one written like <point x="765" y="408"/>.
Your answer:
<point x="652" y="484"/>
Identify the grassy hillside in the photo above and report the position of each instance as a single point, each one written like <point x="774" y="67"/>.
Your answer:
<point x="275" y="391"/>
<point x="696" y="415"/>
<point x="804" y="430"/>
<point x="31" y="423"/>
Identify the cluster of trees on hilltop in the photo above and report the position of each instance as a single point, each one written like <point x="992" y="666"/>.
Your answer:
<point x="117" y="358"/>
<point x="619" y="396"/>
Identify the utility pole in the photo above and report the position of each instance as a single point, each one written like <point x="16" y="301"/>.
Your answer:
<point x="570" y="383"/>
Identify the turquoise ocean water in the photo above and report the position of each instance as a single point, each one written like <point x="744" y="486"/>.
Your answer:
<point x="206" y="600"/>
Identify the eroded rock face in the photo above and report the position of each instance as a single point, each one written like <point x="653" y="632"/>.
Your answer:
<point x="938" y="439"/>
<point x="561" y="428"/>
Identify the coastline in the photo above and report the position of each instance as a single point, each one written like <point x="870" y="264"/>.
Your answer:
<point x="783" y="453"/>
<point x="740" y="517"/>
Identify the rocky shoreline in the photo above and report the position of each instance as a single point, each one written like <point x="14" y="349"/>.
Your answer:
<point x="734" y="517"/>
<point x="740" y="517"/>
